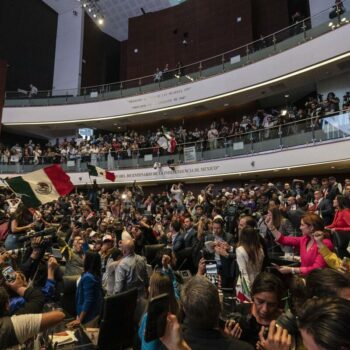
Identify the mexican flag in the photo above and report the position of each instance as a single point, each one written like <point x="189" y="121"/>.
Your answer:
<point x="41" y="186"/>
<point x="96" y="171"/>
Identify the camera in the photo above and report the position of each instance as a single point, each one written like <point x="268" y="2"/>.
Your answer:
<point x="288" y="321"/>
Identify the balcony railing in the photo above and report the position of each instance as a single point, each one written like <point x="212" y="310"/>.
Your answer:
<point x="277" y="42"/>
<point x="306" y="132"/>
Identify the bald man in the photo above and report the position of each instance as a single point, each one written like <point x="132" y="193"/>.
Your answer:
<point x="131" y="272"/>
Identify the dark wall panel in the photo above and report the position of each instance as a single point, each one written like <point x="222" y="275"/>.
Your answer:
<point x="269" y="16"/>
<point x="27" y="42"/>
<point x="101" y="56"/>
<point x="3" y="65"/>
<point x="209" y="27"/>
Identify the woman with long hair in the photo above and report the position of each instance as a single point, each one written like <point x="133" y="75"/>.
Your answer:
<point x="310" y="257"/>
<point x="341" y="221"/>
<point x="21" y="221"/>
<point x="158" y="284"/>
<point x="249" y="254"/>
<point x="89" y="292"/>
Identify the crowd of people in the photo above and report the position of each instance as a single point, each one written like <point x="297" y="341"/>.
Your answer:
<point x="132" y="144"/>
<point x="261" y="254"/>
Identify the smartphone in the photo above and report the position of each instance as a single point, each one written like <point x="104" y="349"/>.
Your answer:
<point x="211" y="270"/>
<point x="57" y="253"/>
<point x="158" y="309"/>
<point x="9" y="274"/>
<point x="211" y="267"/>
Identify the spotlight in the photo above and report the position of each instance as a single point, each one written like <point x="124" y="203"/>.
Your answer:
<point x="100" y="21"/>
<point x="94" y="15"/>
<point x="84" y="4"/>
<point x="284" y="112"/>
<point x="89" y="9"/>
<point x="330" y="24"/>
<point x="343" y="19"/>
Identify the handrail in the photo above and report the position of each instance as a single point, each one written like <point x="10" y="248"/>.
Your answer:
<point x="105" y="87"/>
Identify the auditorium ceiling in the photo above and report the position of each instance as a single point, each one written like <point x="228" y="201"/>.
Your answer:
<point x="116" y="12"/>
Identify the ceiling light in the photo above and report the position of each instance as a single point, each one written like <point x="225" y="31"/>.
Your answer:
<point x="100" y="21"/>
<point x="286" y="95"/>
<point x="284" y="112"/>
<point x="89" y="9"/>
<point x="330" y="24"/>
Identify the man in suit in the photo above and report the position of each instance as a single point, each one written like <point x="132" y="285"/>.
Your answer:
<point x="323" y="207"/>
<point x="189" y="232"/>
<point x="177" y="239"/>
<point x="223" y="252"/>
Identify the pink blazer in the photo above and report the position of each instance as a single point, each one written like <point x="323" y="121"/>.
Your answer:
<point x="310" y="259"/>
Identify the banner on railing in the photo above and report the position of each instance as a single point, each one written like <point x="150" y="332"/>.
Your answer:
<point x="337" y="123"/>
<point x="190" y="154"/>
<point x="238" y="145"/>
<point x="148" y="157"/>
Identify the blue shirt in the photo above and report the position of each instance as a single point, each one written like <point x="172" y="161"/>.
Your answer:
<point x="89" y="296"/>
<point x="152" y="345"/>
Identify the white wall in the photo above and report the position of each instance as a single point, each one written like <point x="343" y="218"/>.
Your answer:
<point x="339" y="85"/>
<point x="69" y="51"/>
<point x="318" y="6"/>
<point x="265" y="72"/>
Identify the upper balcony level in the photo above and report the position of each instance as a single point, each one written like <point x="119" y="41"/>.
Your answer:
<point x="282" y="61"/>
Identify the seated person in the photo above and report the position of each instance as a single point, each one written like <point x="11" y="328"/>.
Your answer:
<point x="201" y="307"/>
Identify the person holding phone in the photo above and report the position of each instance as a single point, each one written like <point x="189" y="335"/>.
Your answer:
<point x="159" y="284"/>
<point x="310" y="257"/>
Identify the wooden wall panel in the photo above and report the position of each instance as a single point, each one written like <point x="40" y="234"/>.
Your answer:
<point x="27" y="43"/>
<point x="3" y="67"/>
<point x="211" y="28"/>
<point x="101" y="56"/>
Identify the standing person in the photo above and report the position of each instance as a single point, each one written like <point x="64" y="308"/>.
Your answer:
<point x="311" y="259"/>
<point x="33" y="90"/>
<point x="249" y="255"/>
<point x="89" y="292"/>
<point x="20" y="222"/>
<point x="323" y="207"/>
<point x="222" y="252"/>
<point x="341" y="221"/>
<point x="159" y="284"/>
<point x="267" y="294"/>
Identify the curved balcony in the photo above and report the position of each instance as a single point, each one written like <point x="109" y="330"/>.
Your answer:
<point x="256" y="51"/>
<point x="239" y="153"/>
